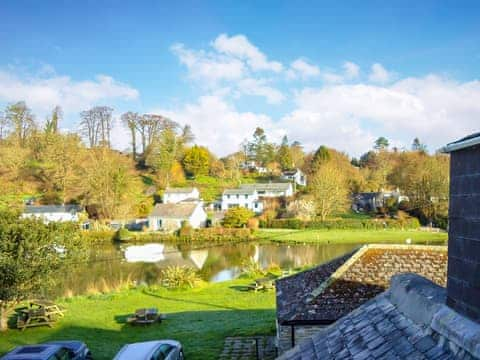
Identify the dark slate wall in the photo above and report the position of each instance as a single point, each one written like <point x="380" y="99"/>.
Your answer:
<point x="463" y="286"/>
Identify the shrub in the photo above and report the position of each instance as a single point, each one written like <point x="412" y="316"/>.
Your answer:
<point x="237" y="217"/>
<point x="122" y="234"/>
<point x="251" y="268"/>
<point x="253" y="223"/>
<point x="175" y="277"/>
<point x="186" y="229"/>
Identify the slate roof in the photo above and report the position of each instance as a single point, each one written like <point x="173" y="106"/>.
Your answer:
<point x="42" y="209"/>
<point x="174" y="211"/>
<point x="409" y="321"/>
<point x="341" y="286"/>
<point x="279" y="186"/>
<point x="185" y="190"/>
<point x="241" y="191"/>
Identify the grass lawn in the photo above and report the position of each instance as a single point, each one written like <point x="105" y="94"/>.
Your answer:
<point x="199" y="318"/>
<point x="351" y="236"/>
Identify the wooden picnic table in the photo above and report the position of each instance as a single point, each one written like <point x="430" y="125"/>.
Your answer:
<point x="265" y="283"/>
<point x="145" y="316"/>
<point x="50" y="307"/>
<point x="38" y="313"/>
<point x="33" y="317"/>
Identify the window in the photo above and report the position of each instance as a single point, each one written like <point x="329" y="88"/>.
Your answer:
<point x="256" y="205"/>
<point x="159" y="223"/>
<point x="162" y="352"/>
<point x="228" y="196"/>
<point x="62" y="355"/>
<point x="246" y="205"/>
<point x="246" y="196"/>
<point x="238" y="196"/>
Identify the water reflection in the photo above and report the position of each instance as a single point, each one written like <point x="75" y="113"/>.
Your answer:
<point x="113" y="265"/>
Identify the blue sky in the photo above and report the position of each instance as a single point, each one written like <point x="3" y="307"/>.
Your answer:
<point x="339" y="73"/>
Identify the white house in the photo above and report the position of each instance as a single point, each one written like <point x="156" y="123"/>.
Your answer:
<point x="176" y="195"/>
<point x="242" y="197"/>
<point x="49" y="213"/>
<point x="169" y="217"/>
<point x="296" y="176"/>
<point x="280" y="189"/>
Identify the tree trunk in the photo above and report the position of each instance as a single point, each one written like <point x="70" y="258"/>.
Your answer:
<point x="3" y="318"/>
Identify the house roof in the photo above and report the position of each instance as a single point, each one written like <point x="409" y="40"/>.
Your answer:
<point x="174" y="211"/>
<point x="184" y="190"/>
<point x="43" y="209"/>
<point x="409" y="321"/>
<point x="346" y="283"/>
<point x="279" y="186"/>
<point x="465" y="142"/>
<point x="290" y="172"/>
<point x="240" y="191"/>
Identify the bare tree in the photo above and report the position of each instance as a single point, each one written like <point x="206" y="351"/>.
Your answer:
<point x="131" y="120"/>
<point x="20" y="118"/>
<point x="150" y="125"/>
<point x="96" y="125"/>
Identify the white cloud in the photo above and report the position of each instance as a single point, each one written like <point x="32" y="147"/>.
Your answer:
<point x="379" y="74"/>
<point x="259" y="87"/>
<point x="301" y="68"/>
<point x="240" y="47"/>
<point x="350" y="117"/>
<point x="43" y="93"/>
<point x="230" y="68"/>
<point x="352" y="70"/>
<point x="209" y="67"/>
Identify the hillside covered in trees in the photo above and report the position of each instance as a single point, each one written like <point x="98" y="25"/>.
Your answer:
<point x="39" y="161"/>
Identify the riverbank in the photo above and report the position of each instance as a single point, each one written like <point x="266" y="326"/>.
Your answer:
<point x="312" y="236"/>
<point x="199" y="318"/>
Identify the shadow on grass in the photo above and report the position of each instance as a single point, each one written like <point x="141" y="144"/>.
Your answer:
<point x="146" y="292"/>
<point x="202" y="333"/>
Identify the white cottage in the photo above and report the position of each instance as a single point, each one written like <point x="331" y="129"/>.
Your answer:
<point x="296" y="175"/>
<point x="247" y="198"/>
<point x="55" y="213"/>
<point x="169" y="217"/>
<point x="176" y="195"/>
<point x="270" y="190"/>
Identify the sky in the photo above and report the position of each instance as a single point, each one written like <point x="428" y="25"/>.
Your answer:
<point x="337" y="73"/>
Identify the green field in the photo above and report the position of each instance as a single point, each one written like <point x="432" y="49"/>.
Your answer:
<point x="352" y="236"/>
<point x="199" y="318"/>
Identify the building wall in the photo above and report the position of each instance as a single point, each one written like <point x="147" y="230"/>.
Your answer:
<point x="173" y="198"/>
<point x="53" y="217"/>
<point x="243" y="200"/>
<point x="301" y="332"/>
<point x="463" y="285"/>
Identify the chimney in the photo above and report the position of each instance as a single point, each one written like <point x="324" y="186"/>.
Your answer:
<point x="463" y="284"/>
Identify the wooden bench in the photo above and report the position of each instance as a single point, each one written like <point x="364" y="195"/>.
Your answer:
<point x="145" y="317"/>
<point x="33" y="317"/>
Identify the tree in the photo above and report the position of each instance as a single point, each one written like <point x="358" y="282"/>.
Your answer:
<point x="237" y="217"/>
<point x="259" y="149"/>
<point x="329" y="189"/>
<point x="321" y="156"/>
<point x="96" y="125"/>
<point x="162" y="154"/>
<point x="32" y="254"/>
<point x="51" y="125"/>
<point x="150" y="126"/>
<point x="131" y="121"/>
<point x="284" y="155"/>
<point x="197" y="160"/>
<point x="418" y="146"/>
<point x="3" y="126"/>
<point x="297" y="154"/>
<point x="381" y="143"/>
<point x="20" y="119"/>
<point x="108" y="183"/>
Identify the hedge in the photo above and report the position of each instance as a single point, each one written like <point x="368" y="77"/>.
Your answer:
<point x="211" y="235"/>
<point x="343" y="224"/>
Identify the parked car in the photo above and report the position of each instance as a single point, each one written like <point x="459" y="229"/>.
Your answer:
<point x="53" y="350"/>
<point x="151" y="350"/>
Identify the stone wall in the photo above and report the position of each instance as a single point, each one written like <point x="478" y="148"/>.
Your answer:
<point x="301" y="332"/>
<point x="463" y="287"/>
